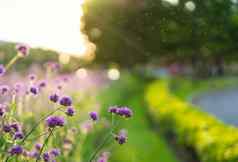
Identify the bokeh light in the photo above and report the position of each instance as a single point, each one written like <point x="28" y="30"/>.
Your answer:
<point x="113" y="74"/>
<point x="81" y="73"/>
<point x="190" y="6"/>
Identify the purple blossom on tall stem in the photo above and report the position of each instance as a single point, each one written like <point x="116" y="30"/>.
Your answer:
<point x="121" y="138"/>
<point x="121" y="111"/>
<point x="18" y="87"/>
<point x="22" y="50"/>
<point x="70" y="111"/>
<point x="46" y="157"/>
<point x="16" y="150"/>
<point x="34" y="90"/>
<point x="54" y="121"/>
<point x="2" y="109"/>
<point x="42" y="84"/>
<point x="16" y="127"/>
<point x="54" y="97"/>
<point x="2" y="70"/>
<point x="32" y="77"/>
<point x="66" y="101"/>
<point x="38" y="146"/>
<point x="18" y="135"/>
<point x="4" y="89"/>
<point x="7" y="128"/>
<point x="94" y="116"/>
<point x="55" y="152"/>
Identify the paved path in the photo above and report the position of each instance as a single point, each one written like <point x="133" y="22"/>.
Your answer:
<point x="222" y="104"/>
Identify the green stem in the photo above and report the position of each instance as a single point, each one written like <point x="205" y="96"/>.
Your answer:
<point x="11" y="62"/>
<point x="106" y="139"/>
<point x="37" y="124"/>
<point x="45" y="143"/>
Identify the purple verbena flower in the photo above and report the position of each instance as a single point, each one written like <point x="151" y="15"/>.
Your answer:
<point x="34" y="154"/>
<point x="22" y="50"/>
<point x="121" y="138"/>
<point x="7" y="128"/>
<point x="42" y="84"/>
<point x="16" y="150"/>
<point x="104" y="157"/>
<point x="18" y="135"/>
<point x="113" y="109"/>
<point x="54" y="98"/>
<point x="94" y="116"/>
<point x="53" y="121"/>
<point x="34" y="90"/>
<point x="70" y="111"/>
<point x="38" y="146"/>
<point x="2" y="109"/>
<point x="2" y="70"/>
<point x="55" y="152"/>
<point x="18" y="87"/>
<point x="4" y="89"/>
<point x="66" y="101"/>
<point x="46" y="157"/>
<point x="121" y="111"/>
<point x="32" y="77"/>
<point x="16" y="127"/>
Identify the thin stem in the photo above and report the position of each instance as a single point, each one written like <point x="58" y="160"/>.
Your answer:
<point x="100" y="147"/>
<point x="45" y="143"/>
<point x="11" y="62"/>
<point x="34" y="138"/>
<point x="37" y="124"/>
<point x="106" y="139"/>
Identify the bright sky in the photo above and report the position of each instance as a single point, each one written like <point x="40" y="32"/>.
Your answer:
<point x="53" y="24"/>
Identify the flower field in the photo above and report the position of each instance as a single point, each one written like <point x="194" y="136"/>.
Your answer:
<point x="47" y="116"/>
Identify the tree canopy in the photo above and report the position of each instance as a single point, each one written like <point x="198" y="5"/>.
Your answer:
<point x="138" y="31"/>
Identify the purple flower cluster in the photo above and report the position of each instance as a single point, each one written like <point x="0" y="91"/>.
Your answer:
<point x="42" y="84"/>
<point x="51" y="155"/>
<point x="34" y="90"/>
<point x="66" y="101"/>
<point x="93" y="116"/>
<point x="3" y="109"/>
<point x="18" y="135"/>
<point x="22" y="50"/>
<point x="2" y="70"/>
<point x="32" y="77"/>
<point x="13" y="129"/>
<point x="4" y="89"/>
<point x="54" y="98"/>
<point x="121" y="111"/>
<point x="104" y="157"/>
<point x="16" y="150"/>
<point x="70" y="111"/>
<point x="121" y="138"/>
<point x="54" y="121"/>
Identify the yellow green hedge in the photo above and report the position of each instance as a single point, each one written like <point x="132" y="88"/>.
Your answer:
<point x="212" y="140"/>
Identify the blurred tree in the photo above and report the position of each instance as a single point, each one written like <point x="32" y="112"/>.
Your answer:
<point x="138" y="31"/>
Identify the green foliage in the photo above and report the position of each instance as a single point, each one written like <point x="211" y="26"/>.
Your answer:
<point x="40" y="56"/>
<point x="212" y="140"/>
<point x="140" y="31"/>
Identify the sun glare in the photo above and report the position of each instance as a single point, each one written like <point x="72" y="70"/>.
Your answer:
<point x="51" y="24"/>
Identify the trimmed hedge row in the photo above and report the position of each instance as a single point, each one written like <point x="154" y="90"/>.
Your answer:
<point x="212" y="140"/>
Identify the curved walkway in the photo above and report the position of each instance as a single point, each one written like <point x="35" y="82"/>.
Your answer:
<point x="222" y="104"/>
